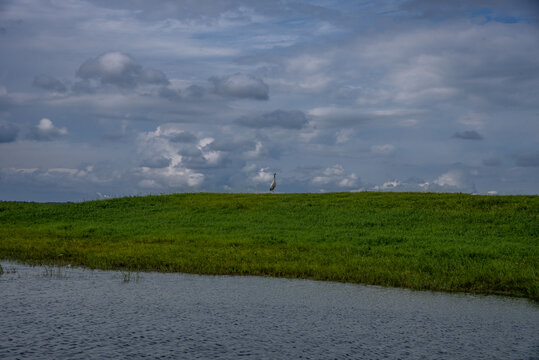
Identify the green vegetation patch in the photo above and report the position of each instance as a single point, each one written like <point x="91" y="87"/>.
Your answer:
<point x="448" y="242"/>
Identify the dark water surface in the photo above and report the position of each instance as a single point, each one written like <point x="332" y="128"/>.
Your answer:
<point x="66" y="313"/>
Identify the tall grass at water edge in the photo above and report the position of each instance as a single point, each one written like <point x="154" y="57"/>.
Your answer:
<point x="448" y="242"/>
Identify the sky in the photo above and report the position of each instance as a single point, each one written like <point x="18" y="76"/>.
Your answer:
<point x="103" y="98"/>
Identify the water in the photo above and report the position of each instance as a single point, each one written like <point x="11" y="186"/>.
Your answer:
<point x="67" y="313"/>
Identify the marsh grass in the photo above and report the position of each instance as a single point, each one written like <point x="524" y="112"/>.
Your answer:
<point x="448" y="242"/>
<point x="11" y="270"/>
<point x="55" y="272"/>
<point x="126" y="276"/>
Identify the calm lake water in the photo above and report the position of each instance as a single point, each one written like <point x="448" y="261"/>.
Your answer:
<point x="68" y="313"/>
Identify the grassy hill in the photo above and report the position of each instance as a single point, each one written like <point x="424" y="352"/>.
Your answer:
<point x="448" y="242"/>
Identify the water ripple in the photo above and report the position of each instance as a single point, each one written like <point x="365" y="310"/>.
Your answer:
<point x="76" y="313"/>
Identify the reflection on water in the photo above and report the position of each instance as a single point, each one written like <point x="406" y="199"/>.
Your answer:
<point x="76" y="313"/>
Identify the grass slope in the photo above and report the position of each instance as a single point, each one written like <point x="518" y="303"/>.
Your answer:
<point x="449" y="242"/>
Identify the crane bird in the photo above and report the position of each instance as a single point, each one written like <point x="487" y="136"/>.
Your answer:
<point x="272" y="186"/>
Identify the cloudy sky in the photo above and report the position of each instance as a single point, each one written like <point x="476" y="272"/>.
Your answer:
<point x="106" y="98"/>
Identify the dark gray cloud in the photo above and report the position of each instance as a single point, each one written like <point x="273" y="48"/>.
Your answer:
<point x="497" y="10"/>
<point x="492" y="161"/>
<point x="5" y="101"/>
<point x="195" y="91"/>
<point x="170" y="94"/>
<point x="49" y="83"/>
<point x="156" y="162"/>
<point x="153" y="76"/>
<point x="343" y="117"/>
<point x="241" y="86"/>
<point x="8" y="132"/>
<point x="527" y="159"/>
<point x="197" y="159"/>
<point x="468" y="135"/>
<point x="287" y="119"/>
<point x="183" y="137"/>
<point x="119" y="69"/>
<point x="190" y="151"/>
<point x="84" y="87"/>
<point x="231" y="145"/>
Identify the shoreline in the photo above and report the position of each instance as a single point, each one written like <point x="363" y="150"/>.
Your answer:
<point x="68" y="266"/>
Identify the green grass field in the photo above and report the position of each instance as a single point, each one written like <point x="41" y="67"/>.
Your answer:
<point x="448" y="242"/>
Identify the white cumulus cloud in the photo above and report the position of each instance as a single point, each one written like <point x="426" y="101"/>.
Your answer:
<point x="335" y="176"/>
<point x="46" y="131"/>
<point x="453" y="178"/>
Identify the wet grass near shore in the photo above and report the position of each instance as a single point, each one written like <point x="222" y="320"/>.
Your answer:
<point x="447" y="242"/>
